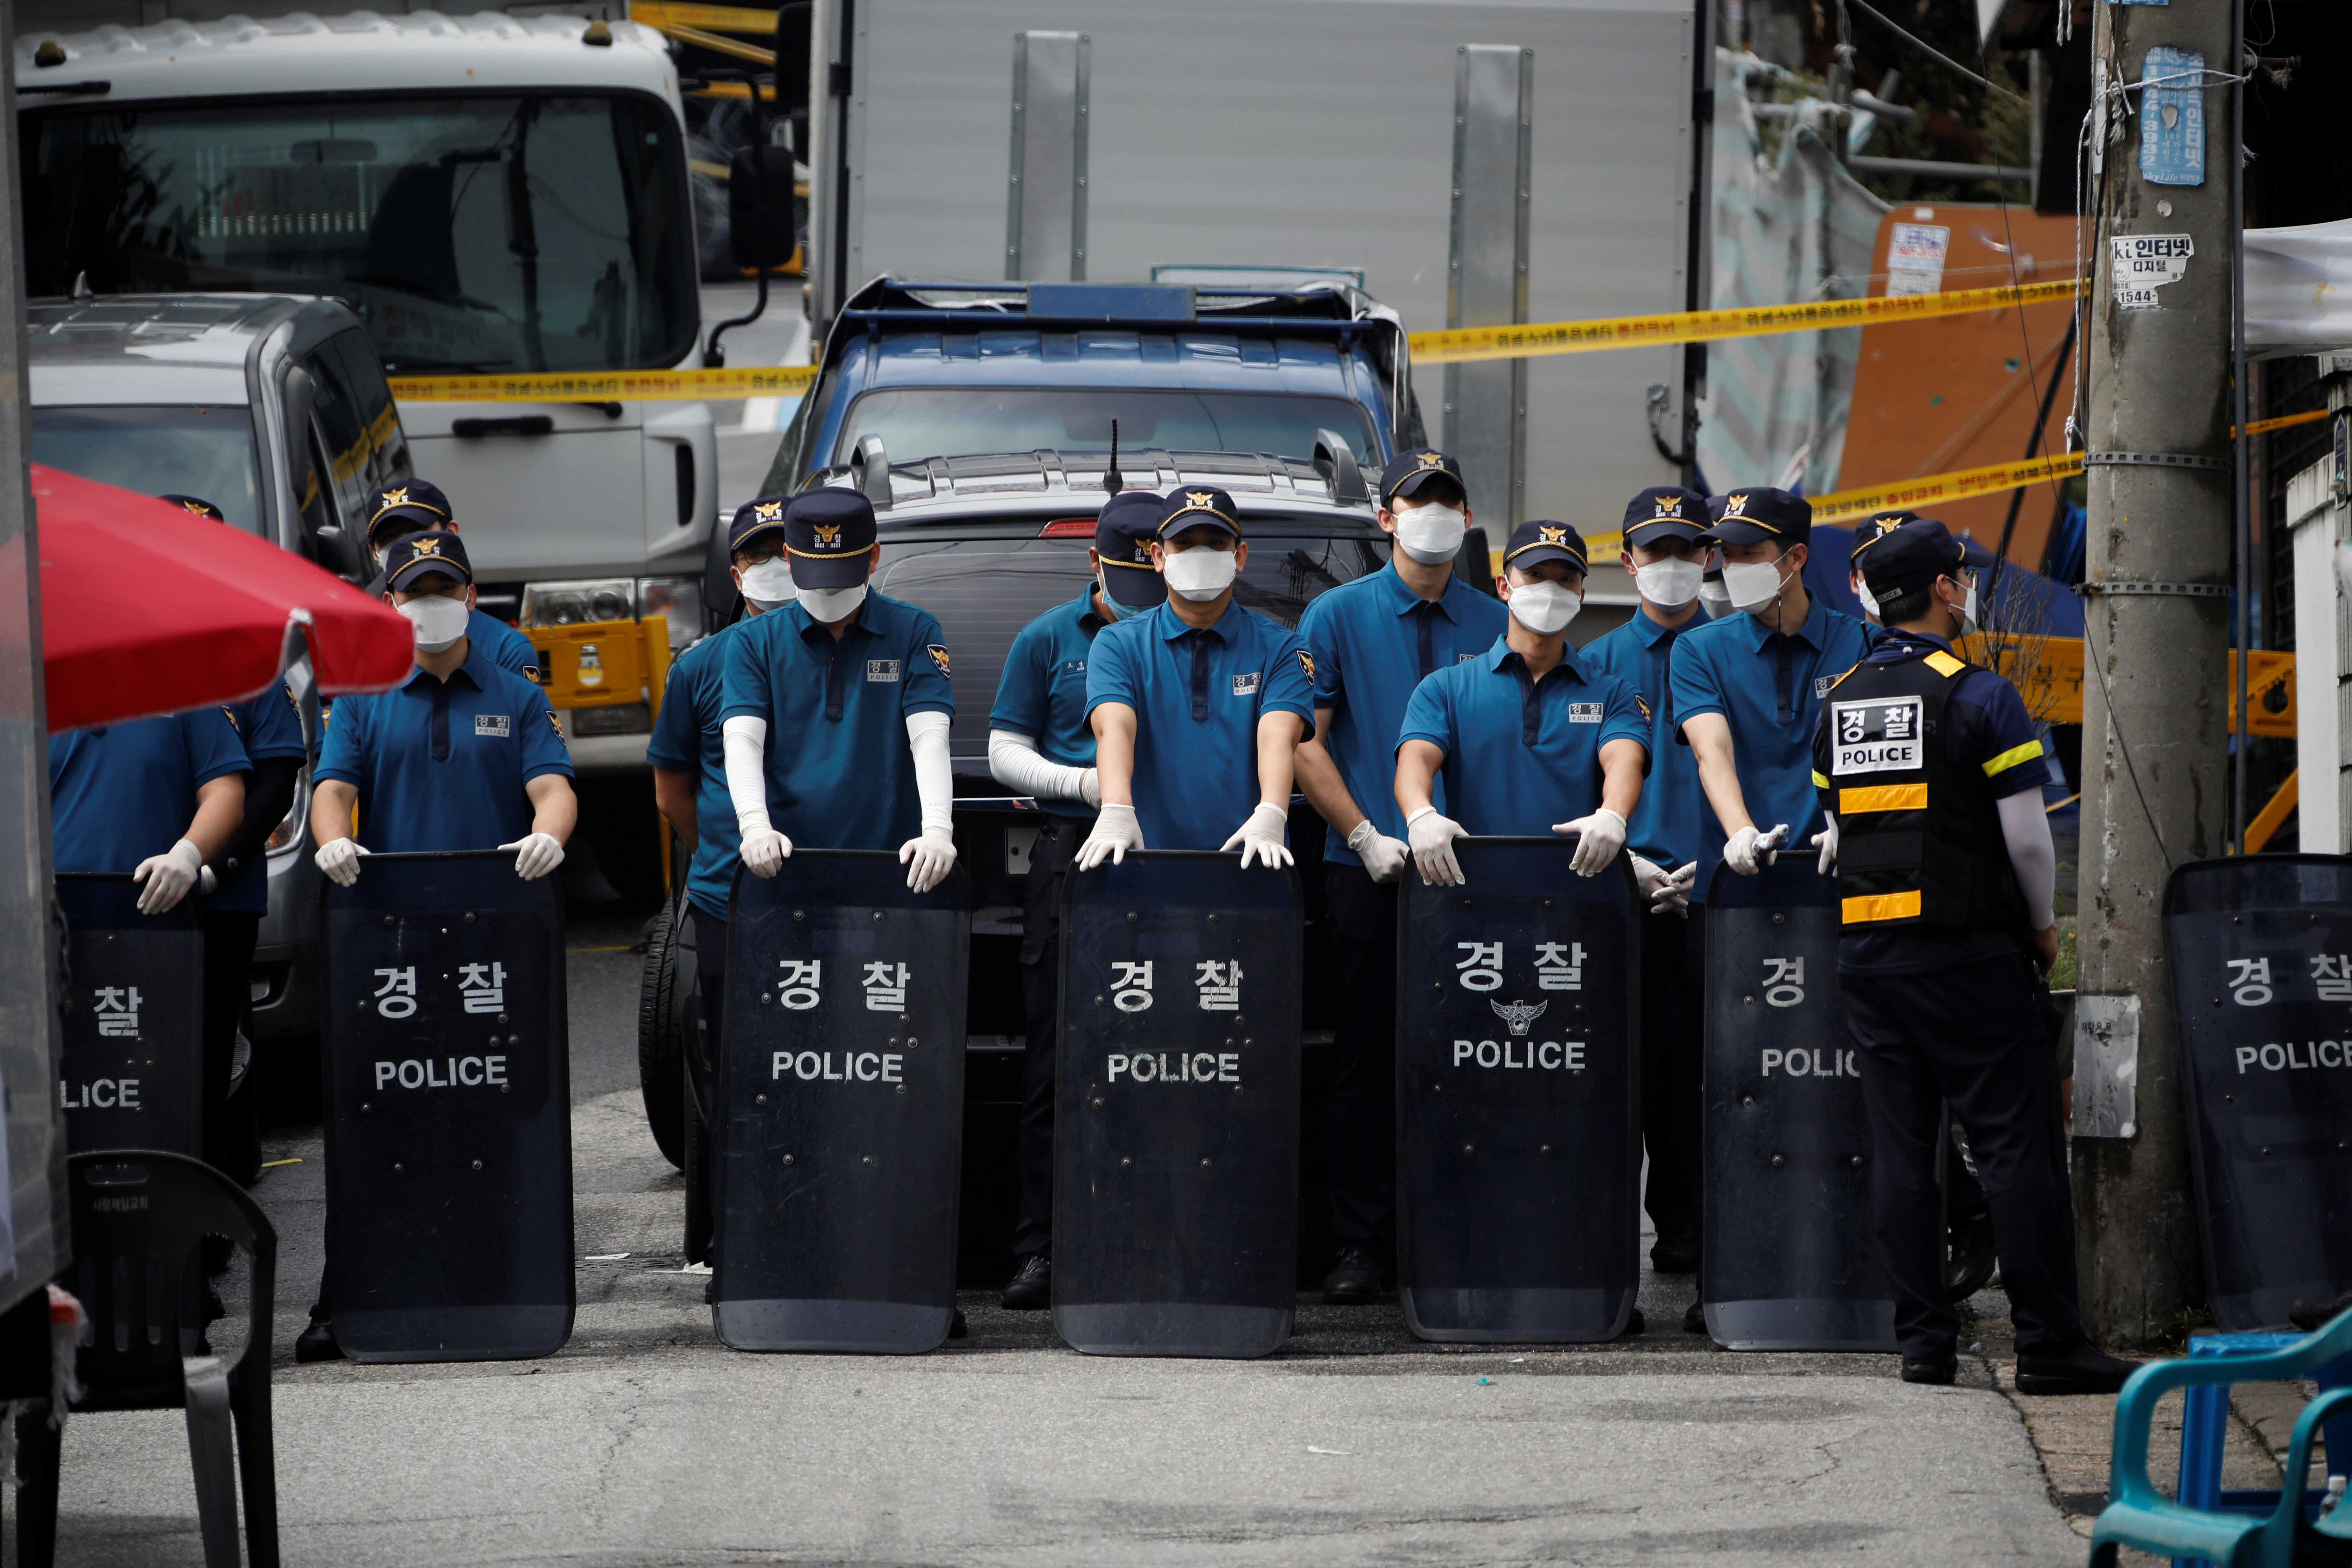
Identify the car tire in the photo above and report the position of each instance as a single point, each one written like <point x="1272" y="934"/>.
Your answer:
<point x="661" y="1045"/>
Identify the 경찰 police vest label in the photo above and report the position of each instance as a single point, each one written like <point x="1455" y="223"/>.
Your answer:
<point x="1919" y="840"/>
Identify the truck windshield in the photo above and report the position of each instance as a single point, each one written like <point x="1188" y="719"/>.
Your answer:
<point x="470" y="233"/>
<point x="944" y="422"/>
<point x="167" y="449"/>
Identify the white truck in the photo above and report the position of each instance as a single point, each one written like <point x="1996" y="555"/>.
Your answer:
<point x="488" y="192"/>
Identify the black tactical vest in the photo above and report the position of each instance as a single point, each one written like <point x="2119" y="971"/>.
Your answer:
<point x="1919" y="840"/>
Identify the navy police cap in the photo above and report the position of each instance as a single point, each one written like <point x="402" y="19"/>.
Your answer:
<point x="1407" y="472"/>
<point x="1185" y="508"/>
<point x="420" y="553"/>
<point x="1533" y="543"/>
<point x="1907" y="558"/>
<point x="830" y="533"/>
<point x="418" y="503"/>
<point x="757" y="516"/>
<point x="1124" y="531"/>
<point x="1664" y="511"/>
<point x="196" y="504"/>
<point x="1880" y="523"/>
<point x="1752" y="515"/>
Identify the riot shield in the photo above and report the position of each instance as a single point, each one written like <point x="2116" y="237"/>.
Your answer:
<point x="133" y="1074"/>
<point x="449" y="1111"/>
<point x="2260" y="952"/>
<point x="1518" y="1099"/>
<point x="840" y="1108"/>
<point x="1176" y="1109"/>
<point x="1788" y="1261"/>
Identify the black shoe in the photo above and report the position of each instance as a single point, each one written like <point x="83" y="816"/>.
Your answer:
<point x="1032" y="1290"/>
<point x="1353" y="1280"/>
<point x="2085" y="1369"/>
<point x="1675" y="1255"/>
<point x="317" y="1342"/>
<point x="957" y="1327"/>
<point x="1695" y="1319"/>
<point x="1635" y="1324"/>
<point x="2309" y="1315"/>
<point x="1937" y="1370"/>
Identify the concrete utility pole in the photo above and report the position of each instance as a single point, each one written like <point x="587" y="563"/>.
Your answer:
<point x="2156" y="420"/>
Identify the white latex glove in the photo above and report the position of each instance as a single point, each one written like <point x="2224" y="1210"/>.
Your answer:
<point x="165" y="879"/>
<point x="1749" y="851"/>
<point x="536" y="854"/>
<point x="1648" y="876"/>
<point x="765" y="851"/>
<point x="207" y="882"/>
<point x="1260" y="835"/>
<point x="1604" y="834"/>
<point x="929" y="858"/>
<point x="1385" y="859"/>
<point x="1432" y="837"/>
<point x="1116" y="832"/>
<point x="1090" y="788"/>
<point x="1672" y="896"/>
<point x="1826" y="841"/>
<point x="340" y="859"/>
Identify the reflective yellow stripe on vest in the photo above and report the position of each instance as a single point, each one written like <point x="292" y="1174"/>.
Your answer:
<point x="1880" y="907"/>
<point x="1884" y="798"/>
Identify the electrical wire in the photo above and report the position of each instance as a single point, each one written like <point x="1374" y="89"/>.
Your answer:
<point x="1937" y="54"/>
<point x="2090" y="658"/>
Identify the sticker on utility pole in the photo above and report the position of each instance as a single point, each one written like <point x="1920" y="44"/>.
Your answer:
<point x="2143" y="263"/>
<point x="2172" y="117"/>
<point x="1915" y="258"/>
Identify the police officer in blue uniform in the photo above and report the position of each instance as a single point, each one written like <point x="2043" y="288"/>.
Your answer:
<point x="1197" y="706"/>
<point x="1039" y="745"/>
<point x="835" y="708"/>
<point x="1373" y="640"/>
<point x="236" y="889"/>
<point x="1662" y="554"/>
<point x="1930" y="775"/>
<point x="417" y="506"/>
<point x="1865" y="532"/>
<point x="464" y="755"/>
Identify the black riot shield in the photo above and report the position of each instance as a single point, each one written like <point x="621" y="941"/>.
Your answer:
<point x="1789" y="1263"/>
<point x="1176" y="1108"/>
<point x="840" y="1108"/>
<point x="2260" y="952"/>
<point x="132" y="1073"/>
<point x="1518" y="1099"/>
<point x="448" y="1111"/>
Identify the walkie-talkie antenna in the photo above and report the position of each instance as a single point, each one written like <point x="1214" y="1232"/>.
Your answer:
<point x="1113" y="481"/>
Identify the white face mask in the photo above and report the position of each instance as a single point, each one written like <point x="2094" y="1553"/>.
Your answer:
<point x="1714" y="598"/>
<point x="1869" y="600"/>
<point x="1968" y="612"/>
<point x="769" y="584"/>
<point x="1669" y="584"/>
<point x="438" y="622"/>
<point x="1544" y="607"/>
<point x="1200" y="574"/>
<point x="1753" y="586"/>
<point x="1431" y="534"/>
<point x="828" y="606"/>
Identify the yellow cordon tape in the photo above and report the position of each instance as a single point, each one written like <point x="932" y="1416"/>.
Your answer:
<point x="1459" y="345"/>
<point x="607" y="386"/>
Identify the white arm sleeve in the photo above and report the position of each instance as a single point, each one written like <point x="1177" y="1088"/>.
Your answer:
<point x="1016" y="763"/>
<point x="2026" y="827"/>
<point x="927" y="737"/>
<point x="745" y="739"/>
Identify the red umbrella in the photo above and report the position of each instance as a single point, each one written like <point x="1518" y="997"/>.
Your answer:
<point x="146" y="609"/>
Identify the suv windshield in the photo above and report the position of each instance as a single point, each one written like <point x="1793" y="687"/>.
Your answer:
<point x="163" y="450"/>
<point x="489" y="233"/>
<point x="983" y="590"/>
<point x="942" y="422"/>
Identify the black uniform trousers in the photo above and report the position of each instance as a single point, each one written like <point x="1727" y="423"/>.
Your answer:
<point x="1973" y="1037"/>
<point x="1058" y="838"/>
<point x="1674" y="1014"/>
<point x="1360" y="1108"/>
<point x="232" y="1134"/>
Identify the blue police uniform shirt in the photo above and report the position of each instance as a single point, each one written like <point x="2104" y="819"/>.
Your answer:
<point x="1042" y="694"/>
<point x="124" y="792"/>
<point x="1985" y="726"/>
<point x="1665" y="827"/>
<point x="1197" y="701"/>
<point x="441" y="764"/>
<point x="508" y="649"/>
<point x="840" y="772"/>
<point x="1768" y="687"/>
<point x="1522" y="755"/>
<point x="1373" y="640"/>
<point x="269" y="725"/>
<point x="688" y="737"/>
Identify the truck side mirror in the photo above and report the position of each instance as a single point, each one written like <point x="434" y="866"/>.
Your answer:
<point x="336" y="551"/>
<point x="759" y="207"/>
<point x="794" y="39"/>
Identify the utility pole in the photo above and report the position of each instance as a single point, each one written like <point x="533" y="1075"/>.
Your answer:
<point x="2155" y="420"/>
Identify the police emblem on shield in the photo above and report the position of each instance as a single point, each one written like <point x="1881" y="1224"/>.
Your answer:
<point x="1519" y="1015"/>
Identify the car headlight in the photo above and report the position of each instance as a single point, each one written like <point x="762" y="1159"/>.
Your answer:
<point x="571" y="603"/>
<point x="679" y="599"/>
<point x="289" y="831"/>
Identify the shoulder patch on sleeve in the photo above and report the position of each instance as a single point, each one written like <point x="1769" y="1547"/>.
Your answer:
<point x="938" y="657"/>
<point x="555" y="723"/>
<point x="291" y="700"/>
<point x="1943" y="664"/>
<point x="1307" y="664"/>
<point x="1639" y="702"/>
<point x="530" y="672"/>
<point x="231" y="716"/>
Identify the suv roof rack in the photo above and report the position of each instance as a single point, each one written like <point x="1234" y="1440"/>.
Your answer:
<point x="889" y="298"/>
<point x="1013" y="481"/>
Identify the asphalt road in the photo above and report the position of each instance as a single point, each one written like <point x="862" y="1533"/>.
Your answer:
<point x="646" y="1442"/>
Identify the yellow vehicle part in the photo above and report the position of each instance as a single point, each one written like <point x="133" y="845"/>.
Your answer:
<point x="604" y="678"/>
<point x="2048" y="674"/>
